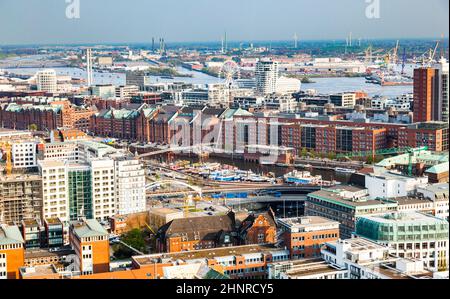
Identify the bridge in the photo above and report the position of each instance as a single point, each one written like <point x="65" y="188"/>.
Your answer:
<point x="199" y="147"/>
<point x="194" y="189"/>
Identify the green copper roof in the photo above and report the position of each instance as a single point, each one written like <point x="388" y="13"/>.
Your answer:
<point x="440" y="168"/>
<point x="10" y="235"/>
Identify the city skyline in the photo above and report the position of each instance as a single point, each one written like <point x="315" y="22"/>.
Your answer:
<point x="100" y="23"/>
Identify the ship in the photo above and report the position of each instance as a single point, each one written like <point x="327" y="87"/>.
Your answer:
<point x="389" y="78"/>
<point x="302" y="178"/>
<point x="344" y="170"/>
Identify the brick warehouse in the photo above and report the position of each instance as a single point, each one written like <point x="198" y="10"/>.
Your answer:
<point x="46" y="117"/>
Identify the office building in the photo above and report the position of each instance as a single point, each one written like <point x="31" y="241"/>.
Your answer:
<point x="409" y="235"/>
<point x="91" y="244"/>
<point x="304" y="236"/>
<point x="345" y="204"/>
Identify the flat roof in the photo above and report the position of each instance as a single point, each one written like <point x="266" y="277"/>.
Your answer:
<point x="333" y="195"/>
<point x="37" y="271"/>
<point x="301" y="222"/>
<point x="206" y="253"/>
<point x="405" y="218"/>
<point x="20" y="178"/>
<point x="43" y="253"/>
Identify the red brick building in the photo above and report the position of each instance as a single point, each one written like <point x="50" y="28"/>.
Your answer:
<point x="50" y="116"/>
<point x="305" y="236"/>
<point x="258" y="229"/>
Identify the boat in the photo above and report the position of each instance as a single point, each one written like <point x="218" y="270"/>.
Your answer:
<point x="302" y="178"/>
<point x="344" y="170"/>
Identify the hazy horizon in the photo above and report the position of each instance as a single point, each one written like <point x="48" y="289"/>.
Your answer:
<point x="44" y="22"/>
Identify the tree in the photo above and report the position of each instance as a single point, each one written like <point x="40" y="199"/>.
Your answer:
<point x="33" y="127"/>
<point x="304" y="152"/>
<point x="331" y="156"/>
<point x="369" y="160"/>
<point x="135" y="239"/>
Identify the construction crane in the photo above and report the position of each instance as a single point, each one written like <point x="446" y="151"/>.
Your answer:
<point x="428" y="57"/>
<point x="389" y="151"/>
<point x="6" y="148"/>
<point x="411" y="154"/>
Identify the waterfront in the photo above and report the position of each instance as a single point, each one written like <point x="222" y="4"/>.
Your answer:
<point x="321" y="85"/>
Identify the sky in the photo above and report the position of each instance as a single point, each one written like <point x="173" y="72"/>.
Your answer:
<point x="136" y="21"/>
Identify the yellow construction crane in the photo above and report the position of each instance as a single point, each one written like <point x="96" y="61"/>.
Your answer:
<point x="6" y="148"/>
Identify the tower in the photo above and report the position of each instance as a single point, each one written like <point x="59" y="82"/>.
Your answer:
<point x="89" y="66"/>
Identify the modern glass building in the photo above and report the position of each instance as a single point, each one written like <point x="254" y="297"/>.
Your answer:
<point x="80" y="192"/>
<point x="409" y="235"/>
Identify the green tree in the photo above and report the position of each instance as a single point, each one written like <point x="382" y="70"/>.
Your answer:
<point x="369" y="160"/>
<point x="304" y="152"/>
<point x="135" y="239"/>
<point x="331" y="156"/>
<point x="33" y="127"/>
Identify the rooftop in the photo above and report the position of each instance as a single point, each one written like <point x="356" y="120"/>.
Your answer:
<point x="88" y="228"/>
<point x="205" y="254"/>
<point x="38" y="271"/>
<point x="349" y="196"/>
<point x="309" y="222"/>
<point x="405" y="218"/>
<point x="10" y="235"/>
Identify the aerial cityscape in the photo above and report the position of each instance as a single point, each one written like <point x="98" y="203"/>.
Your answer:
<point x="254" y="154"/>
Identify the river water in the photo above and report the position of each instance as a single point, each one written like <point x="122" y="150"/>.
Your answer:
<point x="321" y="85"/>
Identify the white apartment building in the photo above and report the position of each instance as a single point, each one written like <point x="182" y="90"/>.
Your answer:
<point x="366" y="259"/>
<point x="130" y="186"/>
<point x="267" y="74"/>
<point x="46" y="81"/>
<point x="438" y="194"/>
<point x="219" y="95"/>
<point x="24" y="154"/>
<point x="54" y="189"/>
<point x="391" y="185"/>
<point x="103" y="189"/>
<point x="282" y="103"/>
